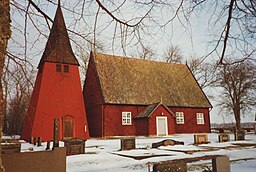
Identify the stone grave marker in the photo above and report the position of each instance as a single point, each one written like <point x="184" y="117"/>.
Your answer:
<point x="224" y="137"/>
<point x="127" y="143"/>
<point x="221" y="164"/>
<point x="170" y="167"/>
<point x="34" y="140"/>
<point x="200" y="138"/>
<point x="56" y="132"/>
<point x="39" y="141"/>
<point x="75" y="146"/>
<point x="166" y="143"/>
<point x="239" y="135"/>
<point x="10" y="146"/>
<point x="31" y="140"/>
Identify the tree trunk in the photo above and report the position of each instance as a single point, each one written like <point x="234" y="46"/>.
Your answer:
<point x="237" y="117"/>
<point x="5" y="33"/>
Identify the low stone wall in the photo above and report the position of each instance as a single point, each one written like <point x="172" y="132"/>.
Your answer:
<point x="50" y="161"/>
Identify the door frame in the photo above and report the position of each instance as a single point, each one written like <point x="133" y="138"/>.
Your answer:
<point x="71" y="118"/>
<point x="166" y="125"/>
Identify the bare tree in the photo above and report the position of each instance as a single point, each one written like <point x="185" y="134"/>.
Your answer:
<point x="145" y="53"/>
<point x="5" y="34"/>
<point x="238" y="83"/>
<point x="204" y="72"/>
<point x="125" y="24"/>
<point x="173" y="54"/>
<point x="18" y="89"/>
<point x="83" y="52"/>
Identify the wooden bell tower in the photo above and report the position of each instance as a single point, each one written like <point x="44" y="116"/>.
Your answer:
<point x="57" y="91"/>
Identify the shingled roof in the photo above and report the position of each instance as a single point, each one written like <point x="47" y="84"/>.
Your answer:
<point x="147" y="112"/>
<point x="58" y="48"/>
<point x="126" y="80"/>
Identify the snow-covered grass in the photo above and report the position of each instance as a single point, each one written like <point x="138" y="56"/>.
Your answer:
<point x="104" y="155"/>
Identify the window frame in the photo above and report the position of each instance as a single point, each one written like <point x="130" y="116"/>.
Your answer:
<point x="66" y="68"/>
<point x="126" y="117"/>
<point x="180" y="118"/>
<point x="58" y="67"/>
<point x="200" y="118"/>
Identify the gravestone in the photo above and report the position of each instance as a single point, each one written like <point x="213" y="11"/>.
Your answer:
<point x="239" y="135"/>
<point x="200" y="138"/>
<point x="127" y="143"/>
<point x="34" y="140"/>
<point x="224" y="137"/>
<point x="75" y="146"/>
<point x="221" y="130"/>
<point x="10" y="146"/>
<point x="221" y="164"/>
<point x="39" y="141"/>
<point x="166" y="143"/>
<point x="170" y="167"/>
<point x="48" y="145"/>
<point x="56" y="132"/>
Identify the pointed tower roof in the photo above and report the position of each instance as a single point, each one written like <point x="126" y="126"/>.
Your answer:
<point x="58" y="48"/>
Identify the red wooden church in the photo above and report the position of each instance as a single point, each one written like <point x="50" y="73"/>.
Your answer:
<point x="132" y="97"/>
<point x="57" y="92"/>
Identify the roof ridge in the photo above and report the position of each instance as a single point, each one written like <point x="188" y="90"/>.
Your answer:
<point x="135" y="58"/>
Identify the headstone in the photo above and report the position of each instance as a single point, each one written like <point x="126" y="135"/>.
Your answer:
<point x="239" y="135"/>
<point x="221" y="130"/>
<point x="127" y="143"/>
<point x="11" y="146"/>
<point x="200" y="138"/>
<point x="224" y="137"/>
<point x="48" y="145"/>
<point x="166" y="143"/>
<point x="56" y="133"/>
<point x="74" y="146"/>
<point x="34" y="140"/>
<point x="31" y="140"/>
<point x="170" y="167"/>
<point x="39" y="141"/>
<point x="221" y="164"/>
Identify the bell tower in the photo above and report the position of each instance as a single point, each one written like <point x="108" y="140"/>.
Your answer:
<point x="57" y="91"/>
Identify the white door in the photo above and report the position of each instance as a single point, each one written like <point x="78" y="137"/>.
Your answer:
<point x="161" y="126"/>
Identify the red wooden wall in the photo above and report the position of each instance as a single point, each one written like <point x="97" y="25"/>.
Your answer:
<point x="55" y="95"/>
<point x="190" y="122"/>
<point x="93" y="101"/>
<point x="112" y="121"/>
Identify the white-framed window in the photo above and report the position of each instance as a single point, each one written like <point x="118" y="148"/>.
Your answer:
<point x="179" y="117"/>
<point x="200" y="118"/>
<point x="126" y="118"/>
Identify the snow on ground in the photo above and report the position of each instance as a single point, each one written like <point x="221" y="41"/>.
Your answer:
<point x="101" y="158"/>
<point x="104" y="155"/>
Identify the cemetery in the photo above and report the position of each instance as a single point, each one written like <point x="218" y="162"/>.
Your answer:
<point x="148" y="116"/>
<point x="180" y="152"/>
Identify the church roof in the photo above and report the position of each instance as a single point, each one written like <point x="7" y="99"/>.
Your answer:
<point x="58" y="48"/>
<point x="133" y="81"/>
<point x="148" y="111"/>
